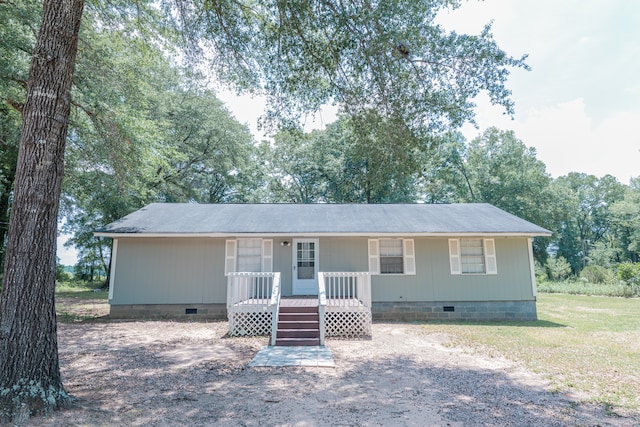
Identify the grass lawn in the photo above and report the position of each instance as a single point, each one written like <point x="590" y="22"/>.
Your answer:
<point x="587" y="346"/>
<point x="79" y="302"/>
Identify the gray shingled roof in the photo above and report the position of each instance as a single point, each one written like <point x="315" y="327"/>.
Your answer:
<point x="321" y="219"/>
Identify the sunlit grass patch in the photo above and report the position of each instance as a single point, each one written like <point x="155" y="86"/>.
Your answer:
<point x="80" y="301"/>
<point x="84" y="290"/>
<point x="588" y="347"/>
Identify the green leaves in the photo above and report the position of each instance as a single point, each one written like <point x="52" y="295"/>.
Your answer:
<point x="389" y="57"/>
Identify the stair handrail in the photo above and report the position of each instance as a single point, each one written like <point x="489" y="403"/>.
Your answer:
<point x="322" y="303"/>
<point x="275" y="303"/>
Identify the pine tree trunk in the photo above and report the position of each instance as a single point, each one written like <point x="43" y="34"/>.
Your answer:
<point x="29" y="372"/>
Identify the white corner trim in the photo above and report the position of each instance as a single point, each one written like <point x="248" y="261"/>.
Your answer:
<point x="532" y="268"/>
<point x="112" y="274"/>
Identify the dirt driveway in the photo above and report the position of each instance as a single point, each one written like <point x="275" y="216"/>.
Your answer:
<point x="189" y="373"/>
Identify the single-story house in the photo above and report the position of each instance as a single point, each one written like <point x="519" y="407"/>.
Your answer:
<point x="419" y="261"/>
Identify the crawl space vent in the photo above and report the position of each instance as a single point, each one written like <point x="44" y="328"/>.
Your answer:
<point x="448" y="308"/>
<point x="190" y="311"/>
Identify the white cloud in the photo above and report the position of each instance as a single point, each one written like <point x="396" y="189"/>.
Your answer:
<point x="567" y="139"/>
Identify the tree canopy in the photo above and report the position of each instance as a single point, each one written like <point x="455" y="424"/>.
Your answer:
<point x="144" y="127"/>
<point x="389" y="58"/>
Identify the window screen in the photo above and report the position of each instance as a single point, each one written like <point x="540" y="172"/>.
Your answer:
<point x="472" y="256"/>
<point x="391" y="256"/>
<point x="249" y="255"/>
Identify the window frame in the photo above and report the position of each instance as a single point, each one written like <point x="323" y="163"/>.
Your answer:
<point x="489" y="257"/>
<point x="408" y="257"/>
<point x="231" y="255"/>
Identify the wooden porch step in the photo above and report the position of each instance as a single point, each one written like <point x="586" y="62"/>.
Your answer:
<point x="297" y="317"/>
<point x="298" y="341"/>
<point x="294" y="309"/>
<point x="298" y="333"/>
<point x="298" y="324"/>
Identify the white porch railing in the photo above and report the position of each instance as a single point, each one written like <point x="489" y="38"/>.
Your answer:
<point x="322" y="305"/>
<point x="275" y="304"/>
<point x="344" y="304"/>
<point x="251" y="305"/>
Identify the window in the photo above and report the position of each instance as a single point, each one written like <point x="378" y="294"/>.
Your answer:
<point x="306" y="260"/>
<point x="472" y="256"/>
<point x="391" y="256"/>
<point x="248" y="255"/>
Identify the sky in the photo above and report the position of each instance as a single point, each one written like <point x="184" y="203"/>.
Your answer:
<point x="578" y="106"/>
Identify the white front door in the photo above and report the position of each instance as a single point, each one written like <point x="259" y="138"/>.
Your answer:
<point x="305" y="267"/>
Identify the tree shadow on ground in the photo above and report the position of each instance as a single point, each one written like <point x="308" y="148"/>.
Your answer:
<point x="162" y="376"/>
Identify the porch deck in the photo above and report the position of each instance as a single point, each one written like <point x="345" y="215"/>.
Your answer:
<point x="310" y="301"/>
<point x="343" y="301"/>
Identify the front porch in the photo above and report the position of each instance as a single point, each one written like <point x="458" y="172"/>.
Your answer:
<point x="343" y="304"/>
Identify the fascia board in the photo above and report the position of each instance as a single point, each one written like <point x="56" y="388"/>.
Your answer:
<point x="324" y="234"/>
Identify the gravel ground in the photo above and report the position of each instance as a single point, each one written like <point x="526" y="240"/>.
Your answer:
<point x="189" y="373"/>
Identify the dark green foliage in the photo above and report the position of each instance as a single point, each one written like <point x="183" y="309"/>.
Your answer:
<point x="388" y="57"/>
<point x="586" y="201"/>
<point x="597" y="274"/>
<point x="629" y="273"/>
<point x="495" y="168"/>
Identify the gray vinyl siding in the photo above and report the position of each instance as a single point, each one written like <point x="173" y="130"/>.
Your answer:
<point x="434" y="282"/>
<point x="191" y="270"/>
<point x="343" y="254"/>
<point x="283" y="262"/>
<point x="170" y="271"/>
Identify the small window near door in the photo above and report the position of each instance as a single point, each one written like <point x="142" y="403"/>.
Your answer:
<point x="249" y="256"/>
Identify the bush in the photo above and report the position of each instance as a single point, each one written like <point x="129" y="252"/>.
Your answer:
<point x="597" y="274"/>
<point x="629" y="273"/>
<point x="558" y="268"/>
<point x="587" y="288"/>
<point x="61" y="274"/>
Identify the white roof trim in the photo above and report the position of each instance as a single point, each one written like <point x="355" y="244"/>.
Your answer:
<point x="291" y="235"/>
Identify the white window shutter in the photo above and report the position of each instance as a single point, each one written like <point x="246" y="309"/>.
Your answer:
<point x="490" y="256"/>
<point x="374" y="257"/>
<point x="230" y="257"/>
<point x="267" y="255"/>
<point x="409" y="253"/>
<point x="454" y="256"/>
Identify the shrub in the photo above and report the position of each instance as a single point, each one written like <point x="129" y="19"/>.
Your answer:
<point x="61" y="274"/>
<point x="597" y="274"/>
<point x="541" y="272"/>
<point x="629" y="272"/>
<point x="558" y="268"/>
<point x="587" y="288"/>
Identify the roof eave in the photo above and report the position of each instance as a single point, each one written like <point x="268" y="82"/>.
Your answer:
<point x="322" y="234"/>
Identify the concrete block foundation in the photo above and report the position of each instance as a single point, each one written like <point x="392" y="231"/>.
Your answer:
<point x="455" y="310"/>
